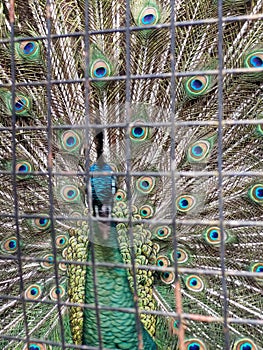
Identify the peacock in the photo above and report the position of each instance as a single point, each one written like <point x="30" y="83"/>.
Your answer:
<point x="131" y="174"/>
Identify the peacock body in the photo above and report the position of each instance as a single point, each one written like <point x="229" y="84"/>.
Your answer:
<point x="131" y="175"/>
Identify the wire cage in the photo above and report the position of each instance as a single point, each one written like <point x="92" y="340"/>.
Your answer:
<point x="131" y="175"/>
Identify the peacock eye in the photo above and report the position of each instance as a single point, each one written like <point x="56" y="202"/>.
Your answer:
<point x="182" y="256"/>
<point x="22" y="168"/>
<point x="185" y="203"/>
<point x="33" y="292"/>
<point x="194" y="344"/>
<point x="43" y="221"/>
<point x="62" y="267"/>
<point x="146" y="212"/>
<point x="22" y="104"/>
<point x="194" y="283"/>
<point x="35" y="346"/>
<point x="244" y="344"/>
<point x="145" y="184"/>
<point x="162" y="232"/>
<point x="9" y="245"/>
<point x="197" y="85"/>
<point x="49" y="261"/>
<point x="258" y="268"/>
<point x="254" y="60"/>
<point x="28" y="51"/>
<point x="71" y="141"/>
<point x="70" y="194"/>
<point x="61" y="241"/>
<point x="148" y="19"/>
<point x="198" y="151"/>
<point x="255" y="193"/>
<point x="167" y="277"/>
<point x="175" y="324"/>
<point x="55" y="291"/>
<point x="213" y="235"/>
<point x="162" y="261"/>
<point x="139" y="133"/>
<point x="41" y="224"/>
<point x="120" y="195"/>
<point x="100" y="69"/>
<point x="149" y="16"/>
<point x="28" y="47"/>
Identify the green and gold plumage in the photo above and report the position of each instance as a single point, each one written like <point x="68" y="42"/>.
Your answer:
<point x="80" y="94"/>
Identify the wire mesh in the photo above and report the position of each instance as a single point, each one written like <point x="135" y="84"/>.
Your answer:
<point x="56" y="94"/>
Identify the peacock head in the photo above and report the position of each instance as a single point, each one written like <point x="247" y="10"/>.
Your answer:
<point x="102" y="191"/>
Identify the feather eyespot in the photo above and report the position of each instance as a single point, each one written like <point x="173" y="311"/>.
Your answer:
<point x="182" y="256"/>
<point x="54" y="292"/>
<point x="149" y="16"/>
<point x="28" y="50"/>
<point x="185" y="203"/>
<point x="61" y="241"/>
<point x="22" y="105"/>
<point x="100" y="69"/>
<point x="244" y="344"/>
<point x="49" y="261"/>
<point x="28" y="47"/>
<point x="120" y="196"/>
<point x="198" y="151"/>
<point x="62" y="267"/>
<point x="33" y="292"/>
<point x="145" y="184"/>
<point x="146" y="212"/>
<point x="194" y="344"/>
<point x="162" y="261"/>
<point x="41" y="224"/>
<point x="10" y="245"/>
<point x="174" y="324"/>
<point x="139" y="133"/>
<point x="23" y="168"/>
<point x="255" y="193"/>
<point x="70" y="194"/>
<point x="197" y="85"/>
<point x="162" y="232"/>
<point x="212" y="236"/>
<point x="254" y="60"/>
<point x="258" y="268"/>
<point x="194" y="283"/>
<point x="167" y="277"/>
<point x="35" y="346"/>
<point x="71" y="141"/>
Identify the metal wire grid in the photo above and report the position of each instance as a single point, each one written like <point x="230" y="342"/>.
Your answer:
<point x="221" y="72"/>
